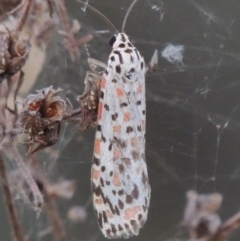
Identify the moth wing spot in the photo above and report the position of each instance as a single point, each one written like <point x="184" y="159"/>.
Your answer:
<point x="130" y="213"/>
<point x="127" y="116"/>
<point x="97" y="146"/>
<point x="116" y="180"/>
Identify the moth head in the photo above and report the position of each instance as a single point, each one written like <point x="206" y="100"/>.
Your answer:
<point x="119" y="40"/>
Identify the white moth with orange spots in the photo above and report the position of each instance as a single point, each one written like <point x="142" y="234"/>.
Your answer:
<point x="121" y="190"/>
<point x="120" y="185"/>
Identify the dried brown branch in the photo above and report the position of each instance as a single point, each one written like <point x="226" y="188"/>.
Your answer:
<point x="10" y="205"/>
<point x="71" y="44"/>
<point x="23" y="18"/>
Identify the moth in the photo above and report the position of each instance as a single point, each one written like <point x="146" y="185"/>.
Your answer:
<point x="119" y="176"/>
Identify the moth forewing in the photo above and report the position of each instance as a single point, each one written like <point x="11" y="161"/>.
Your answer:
<point x="121" y="191"/>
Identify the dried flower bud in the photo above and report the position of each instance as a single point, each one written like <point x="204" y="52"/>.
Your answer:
<point x="200" y="214"/>
<point x="41" y="118"/>
<point x="77" y="214"/>
<point x="63" y="189"/>
<point x="14" y="51"/>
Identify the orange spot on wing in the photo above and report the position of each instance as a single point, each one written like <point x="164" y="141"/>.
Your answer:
<point x="97" y="146"/>
<point x="127" y="116"/>
<point x="95" y="174"/>
<point x="117" y="128"/>
<point x="103" y="83"/>
<point x="100" y="110"/>
<point x="140" y="89"/>
<point x="131" y="212"/>
<point x="116" y="180"/>
<point x="119" y="92"/>
<point x="134" y="142"/>
<point x="99" y="201"/>
<point x="116" y="153"/>
<point x="109" y="214"/>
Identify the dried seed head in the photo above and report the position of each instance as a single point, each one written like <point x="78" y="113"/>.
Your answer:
<point x="41" y="118"/>
<point x="14" y="51"/>
<point x="63" y="189"/>
<point x="77" y="214"/>
<point x="200" y="214"/>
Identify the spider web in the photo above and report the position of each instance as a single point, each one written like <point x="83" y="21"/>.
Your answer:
<point x="193" y="109"/>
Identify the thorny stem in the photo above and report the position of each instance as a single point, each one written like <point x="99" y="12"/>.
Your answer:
<point x="11" y="208"/>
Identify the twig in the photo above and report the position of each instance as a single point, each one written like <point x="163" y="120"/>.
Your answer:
<point x="58" y="227"/>
<point x="24" y="16"/>
<point x="11" y="208"/>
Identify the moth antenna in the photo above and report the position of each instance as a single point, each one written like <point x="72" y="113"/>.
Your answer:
<point x="110" y="24"/>
<point x="127" y="14"/>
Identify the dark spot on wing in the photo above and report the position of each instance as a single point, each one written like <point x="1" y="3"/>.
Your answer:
<point x="120" y="204"/>
<point x="114" y="116"/>
<point x="96" y="161"/>
<point x="136" y="51"/>
<point x="101" y="182"/>
<point x="101" y="95"/>
<point x="114" y="80"/>
<point x="103" y="168"/>
<point x="106" y="106"/>
<point x="114" y="230"/>
<point x="118" y="69"/>
<point x="99" y="128"/>
<point x="129" y="129"/>
<point x="120" y="228"/>
<point x="112" y="58"/>
<point x="135" y="155"/>
<point x="97" y="191"/>
<point x="129" y="199"/>
<point x="139" y="102"/>
<point x="141" y="65"/>
<point x="103" y="138"/>
<point x="117" y="210"/>
<point x="124" y="104"/>
<point x="105" y="220"/>
<point x="110" y="146"/>
<point x="139" y="128"/>
<point x="128" y="51"/>
<point x="120" y="192"/>
<point x="135" y="192"/>
<point x="121" y="168"/>
<point x="119" y="55"/>
<point x="112" y="40"/>
<point x="144" y="178"/>
<point x="130" y="45"/>
<point x="121" y="46"/>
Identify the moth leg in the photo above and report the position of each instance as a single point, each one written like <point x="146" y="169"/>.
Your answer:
<point x="95" y="65"/>
<point x="153" y="65"/>
<point x="89" y="100"/>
